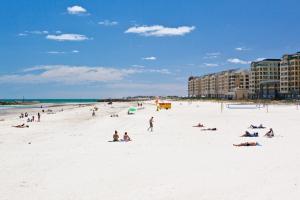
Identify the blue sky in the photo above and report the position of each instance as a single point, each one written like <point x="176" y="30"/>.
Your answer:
<point x="116" y="48"/>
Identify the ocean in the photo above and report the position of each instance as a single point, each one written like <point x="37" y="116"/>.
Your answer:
<point x="54" y="101"/>
<point x="39" y="102"/>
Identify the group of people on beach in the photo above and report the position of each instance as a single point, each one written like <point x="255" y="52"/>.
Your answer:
<point x="29" y="119"/>
<point x="269" y="134"/>
<point x="126" y="137"/>
<point x="199" y="125"/>
<point x="116" y="137"/>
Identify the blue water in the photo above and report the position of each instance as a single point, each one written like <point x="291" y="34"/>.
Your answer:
<point x="42" y="101"/>
<point x="52" y="100"/>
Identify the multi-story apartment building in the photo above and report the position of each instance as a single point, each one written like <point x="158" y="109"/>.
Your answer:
<point x="225" y="84"/>
<point x="241" y="90"/>
<point x="269" y="78"/>
<point x="213" y="83"/>
<point x="192" y="86"/>
<point x="290" y="76"/>
<point x="265" y="78"/>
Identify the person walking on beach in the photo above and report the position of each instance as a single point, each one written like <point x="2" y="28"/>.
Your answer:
<point x="39" y="117"/>
<point x="151" y="124"/>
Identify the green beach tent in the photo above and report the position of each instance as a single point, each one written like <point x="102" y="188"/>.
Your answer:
<point x="132" y="110"/>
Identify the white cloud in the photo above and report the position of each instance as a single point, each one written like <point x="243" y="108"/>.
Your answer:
<point x="22" y="34"/>
<point x="151" y="88"/>
<point x="260" y="59"/>
<point x="160" y="71"/>
<point x="238" y="61"/>
<point x="67" y="37"/>
<point x="212" y="55"/>
<point x="74" y="74"/>
<point x="36" y="32"/>
<point x="56" y="52"/>
<point x="76" y="10"/>
<point x="160" y="31"/>
<point x="138" y="66"/>
<point x="211" y="64"/>
<point x="149" y="58"/>
<point x="108" y="23"/>
<point x="62" y="52"/>
<point x="241" y="49"/>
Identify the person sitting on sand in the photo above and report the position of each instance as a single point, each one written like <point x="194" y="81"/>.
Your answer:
<point x="209" y="129"/>
<point x="21" y="126"/>
<point x="199" y="125"/>
<point x="126" y="137"/>
<point x="270" y="133"/>
<point x="246" y="144"/>
<point x="116" y="136"/>
<point x="247" y="134"/>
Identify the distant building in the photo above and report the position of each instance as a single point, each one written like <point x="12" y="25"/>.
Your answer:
<point x="194" y="87"/>
<point x="230" y="84"/>
<point x="290" y="76"/>
<point x="265" y="78"/>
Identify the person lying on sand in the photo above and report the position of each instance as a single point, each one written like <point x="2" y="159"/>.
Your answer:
<point x="116" y="137"/>
<point x="209" y="129"/>
<point x="246" y="144"/>
<point x="270" y="133"/>
<point x="199" y="125"/>
<point x="126" y="137"/>
<point x="255" y="127"/>
<point x="21" y="126"/>
<point x="247" y="134"/>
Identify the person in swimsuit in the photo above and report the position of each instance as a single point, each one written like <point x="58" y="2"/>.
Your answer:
<point x="151" y="124"/>
<point x="116" y="137"/>
<point x="247" y="134"/>
<point x="246" y="144"/>
<point x="126" y="137"/>
<point x="270" y="133"/>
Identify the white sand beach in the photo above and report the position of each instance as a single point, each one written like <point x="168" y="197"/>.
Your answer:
<point x="67" y="155"/>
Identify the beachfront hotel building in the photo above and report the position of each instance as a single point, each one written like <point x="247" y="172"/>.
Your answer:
<point x="267" y="79"/>
<point x="230" y="84"/>
<point x="290" y="76"/>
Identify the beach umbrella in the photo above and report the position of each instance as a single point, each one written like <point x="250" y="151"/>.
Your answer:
<point x="132" y="109"/>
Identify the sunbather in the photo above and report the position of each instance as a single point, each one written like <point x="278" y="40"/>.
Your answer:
<point x="247" y="134"/>
<point x="126" y="137"/>
<point x="116" y="136"/>
<point x="21" y="126"/>
<point x="199" y="125"/>
<point x="209" y="129"/>
<point x="255" y="127"/>
<point x="270" y="133"/>
<point x="246" y="144"/>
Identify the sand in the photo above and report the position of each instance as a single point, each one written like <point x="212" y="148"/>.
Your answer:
<point x="67" y="155"/>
